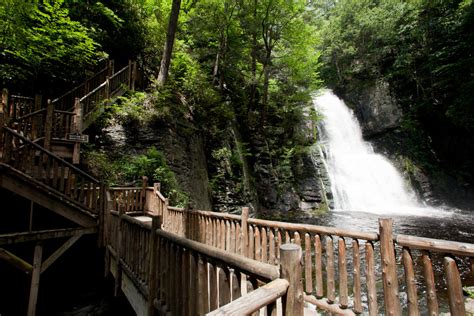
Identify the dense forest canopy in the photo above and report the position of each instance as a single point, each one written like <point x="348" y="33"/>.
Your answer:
<point x="253" y="63"/>
<point x="423" y="49"/>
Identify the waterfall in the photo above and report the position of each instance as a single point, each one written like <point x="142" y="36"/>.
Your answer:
<point x="361" y="180"/>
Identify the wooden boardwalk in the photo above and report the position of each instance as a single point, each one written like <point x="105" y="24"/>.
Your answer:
<point x="173" y="261"/>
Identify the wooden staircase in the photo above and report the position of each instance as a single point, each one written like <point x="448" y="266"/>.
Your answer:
<point x="39" y="147"/>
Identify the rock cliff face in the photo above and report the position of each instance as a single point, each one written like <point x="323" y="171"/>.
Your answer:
<point x="183" y="148"/>
<point x="374" y="105"/>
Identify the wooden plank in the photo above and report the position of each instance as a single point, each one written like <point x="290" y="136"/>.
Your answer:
<point x="14" y="238"/>
<point x="410" y="282"/>
<point x="257" y="299"/>
<point x="35" y="279"/>
<point x="389" y="268"/>
<point x="51" y="259"/>
<point x="432" y="300"/>
<point x="370" y="276"/>
<point x="15" y="261"/>
<point x="453" y="281"/>
<point x="356" y="268"/>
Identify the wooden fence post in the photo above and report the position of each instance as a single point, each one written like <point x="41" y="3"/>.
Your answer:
<point x="36" y="121"/>
<point x="48" y="127"/>
<point x="3" y="120"/>
<point x="76" y="154"/>
<point x="130" y="74"/>
<point x="245" y="231"/>
<point x="152" y="267"/>
<point x="107" y="90"/>
<point x="290" y="269"/>
<point x="102" y="216"/>
<point x="110" y="68"/>
<point x="120" y="246"/>
<point x="134" y="76"/>
<point x="453" y="281"/>
<point x="143" y="193"/>
<point x="389" y="268"/>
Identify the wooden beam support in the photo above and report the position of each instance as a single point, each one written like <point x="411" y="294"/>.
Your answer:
<point x="35" y="279"/>
<point x="48" y="262"/>
<point x="15" y="261"/>
<point x="14" y="238"/>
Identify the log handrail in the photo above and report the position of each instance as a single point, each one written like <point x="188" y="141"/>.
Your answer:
<point x="435" y="245"/>
<point x="93" y="91"/>
<point x="248" y="266"/>
<point x="30" y="114"/>
<point x="52" y="155"/>
<point x="255" y="300"/>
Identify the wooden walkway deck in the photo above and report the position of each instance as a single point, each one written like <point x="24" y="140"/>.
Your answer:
<point x="172" y="261"/>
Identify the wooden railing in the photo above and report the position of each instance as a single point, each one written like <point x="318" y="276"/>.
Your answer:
<point x="72" y="112"/>
<point x="52" y="171"/>
<point x="179" y="276"/>
<point x="342" y="270"/>
<point x="66" y="101"/>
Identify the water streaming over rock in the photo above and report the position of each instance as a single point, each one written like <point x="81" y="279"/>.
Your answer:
<point x="361" y="180"/>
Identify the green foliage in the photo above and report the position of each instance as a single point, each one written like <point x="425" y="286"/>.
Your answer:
<point x="41" y="42"/>
<point x="128" y="170"/>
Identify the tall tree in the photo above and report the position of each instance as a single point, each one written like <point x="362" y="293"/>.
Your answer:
<point x="168" y="48"/>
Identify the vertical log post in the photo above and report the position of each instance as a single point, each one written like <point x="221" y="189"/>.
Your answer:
<point x="35" y="279"/>
<point x="3" y="114"/>
<point x="134" y="76"/>
<point x="290" y="269"/>
<point x="102" y="209"/>
<point x="48" y="127"/>
<point x="370" y="276"/>
<point x="143" y="194"/>
<point x="152" y="267"/>
<point x="156" y="207"/>
<point x="107" y="90"/>
<point x="77" y="129"/>
<point x="431" y="298"/>
<point x="120" y="247"/>
<point x="245" y="231"/>
<point x="110" y="68"/>
<point x="389" y="268"/>
<point x="130" y="74"/>
<point x="453" y="280"/>
<point x="410" y="283"/>
<point x="36" y="124"/>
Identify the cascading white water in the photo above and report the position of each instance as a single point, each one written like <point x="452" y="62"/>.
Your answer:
<point x="361" y="180"/>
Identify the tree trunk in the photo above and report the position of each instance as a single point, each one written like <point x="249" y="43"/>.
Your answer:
<point x="168" y="49"/>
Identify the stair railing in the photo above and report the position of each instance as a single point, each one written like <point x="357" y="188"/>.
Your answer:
<point x="49" y="169"/>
